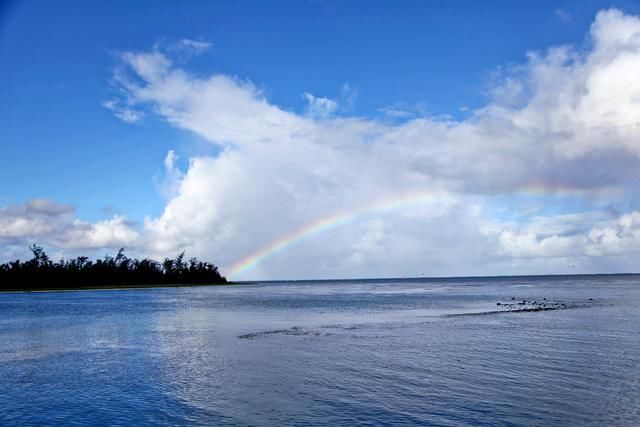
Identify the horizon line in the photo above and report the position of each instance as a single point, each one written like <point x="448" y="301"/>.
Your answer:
<point x="498" y="276"/>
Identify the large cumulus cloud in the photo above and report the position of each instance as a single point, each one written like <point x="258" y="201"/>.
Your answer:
<point x="567" y="120"/>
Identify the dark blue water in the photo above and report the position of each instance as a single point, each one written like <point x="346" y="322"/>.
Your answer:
<point x="337" y="353"/>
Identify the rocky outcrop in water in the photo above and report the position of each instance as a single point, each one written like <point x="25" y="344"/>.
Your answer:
<point x="525" y="305"/>
<point x="296" y="330"/>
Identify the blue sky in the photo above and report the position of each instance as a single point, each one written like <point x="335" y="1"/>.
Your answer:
<point x="58" y="58"/>
<point x="426" y="59"/>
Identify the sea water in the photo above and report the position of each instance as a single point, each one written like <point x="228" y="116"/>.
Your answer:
<point x="374" y="352"/>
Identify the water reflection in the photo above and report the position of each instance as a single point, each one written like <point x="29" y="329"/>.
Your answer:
<point x="323" y="353"/>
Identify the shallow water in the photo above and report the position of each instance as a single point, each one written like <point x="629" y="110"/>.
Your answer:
<point x="351" y="352"/>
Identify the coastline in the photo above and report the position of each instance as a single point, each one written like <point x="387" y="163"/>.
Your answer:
<point x="116" y="288"/>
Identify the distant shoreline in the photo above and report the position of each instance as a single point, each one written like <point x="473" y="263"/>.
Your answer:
<point x="438" y="278"/>
<point x="41" y="274"/>
<point x="114" y="288"/>
<point x="255" y="282"/>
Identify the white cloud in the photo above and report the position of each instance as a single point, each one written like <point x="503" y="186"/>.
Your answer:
<point x="190" y="47"/>
<point x="396" y="112"/>
<point x="320" y="108"/>
<point x="168" y="184"/>
<point x="603" y="238"/>
<point x="47" y="222"/>
<point x="109" y="233"/>
<point x="567" y="120"/>
<point x="324" y="108"/>
<point x="124" y="113"/>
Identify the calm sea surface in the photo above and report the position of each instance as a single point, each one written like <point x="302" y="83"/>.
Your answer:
<point x="341" y="353"/>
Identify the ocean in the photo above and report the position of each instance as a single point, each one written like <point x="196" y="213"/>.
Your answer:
<point x="363" y="352"/>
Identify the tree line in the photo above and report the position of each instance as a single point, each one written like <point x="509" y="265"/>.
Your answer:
<point x="40" y="272"/>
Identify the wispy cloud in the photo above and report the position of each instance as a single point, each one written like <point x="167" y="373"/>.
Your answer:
<point x="184" y="49"/>
<point x="562" y="15"/>
<point x="124" y="113"/>
<point x="320" y="107"/>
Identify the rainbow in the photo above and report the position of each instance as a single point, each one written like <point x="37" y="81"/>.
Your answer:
<point x="389" y="204"/>
<point x="334" y="220"/>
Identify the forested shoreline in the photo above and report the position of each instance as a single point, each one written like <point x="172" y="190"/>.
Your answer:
<point x="41" y="273"/>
